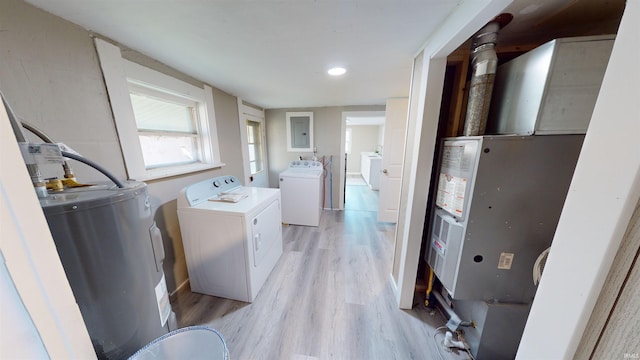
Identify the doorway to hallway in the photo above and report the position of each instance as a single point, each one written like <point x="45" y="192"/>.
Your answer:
<point x="358" y="195"/>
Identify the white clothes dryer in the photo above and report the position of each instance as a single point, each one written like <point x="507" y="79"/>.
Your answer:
<point x="301" y="190"/>
<point x="232" y="236"/>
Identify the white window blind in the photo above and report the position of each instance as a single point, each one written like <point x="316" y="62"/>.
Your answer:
<point x="166" y="126"/>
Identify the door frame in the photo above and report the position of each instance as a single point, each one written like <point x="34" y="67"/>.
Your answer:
<point x="423" y="119"/>
<point x="246" y="112"/>
<point x="343" y="134"/>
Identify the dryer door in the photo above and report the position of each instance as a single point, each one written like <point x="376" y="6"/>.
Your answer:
<point x="265" y="232"/>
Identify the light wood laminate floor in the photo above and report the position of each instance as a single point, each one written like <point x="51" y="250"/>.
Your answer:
<point x="329" y="297"/>
<point x="359" y="196"/>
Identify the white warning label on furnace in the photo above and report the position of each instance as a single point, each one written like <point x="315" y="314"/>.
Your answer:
<point x="450" y="196"/>
<point x="452" y="156"/>
<point x="506" y="259"/>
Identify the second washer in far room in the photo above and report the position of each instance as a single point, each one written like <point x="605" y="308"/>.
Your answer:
<point x="301" y="192"/>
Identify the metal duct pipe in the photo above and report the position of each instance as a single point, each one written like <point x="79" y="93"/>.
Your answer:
<point x="484" y="62"/>
<point x="36" y="177"/>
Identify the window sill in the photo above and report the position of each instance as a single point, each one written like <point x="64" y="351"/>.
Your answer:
<point x="161" y="173"/>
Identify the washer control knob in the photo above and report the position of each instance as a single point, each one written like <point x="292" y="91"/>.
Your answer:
<point x="216" y="183"/>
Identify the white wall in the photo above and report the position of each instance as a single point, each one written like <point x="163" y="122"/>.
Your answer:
<point x="51" y="78"/>
<point x="364" y="138"/>
<point x="23" y="341"/>
<point x="601" y="198"/>
<point x="38" y="311"/>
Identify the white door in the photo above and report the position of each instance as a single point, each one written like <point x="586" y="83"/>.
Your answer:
<point x="254" y="145"/>
<point x="392" y="156"/>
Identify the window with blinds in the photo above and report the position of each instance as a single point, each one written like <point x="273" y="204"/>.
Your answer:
<point x="167" y="127"/>
<point x="254" y="141"/>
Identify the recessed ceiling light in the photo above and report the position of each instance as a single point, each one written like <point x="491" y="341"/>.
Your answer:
<point x="337" y="71"/>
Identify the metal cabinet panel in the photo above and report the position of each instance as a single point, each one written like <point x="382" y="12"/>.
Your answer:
<point x="512" y="205"/>
<point x="552" y="89"/>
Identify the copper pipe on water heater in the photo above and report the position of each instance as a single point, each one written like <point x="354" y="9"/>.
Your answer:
<point x="484" y="62"/>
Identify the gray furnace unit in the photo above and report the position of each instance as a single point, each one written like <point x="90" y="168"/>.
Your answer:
<point x="499" y="197"/>
<point x="498" y="203"/>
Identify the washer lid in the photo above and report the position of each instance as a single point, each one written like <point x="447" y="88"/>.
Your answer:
<point x="256" y="199"/>
<point x="206" y="189"/>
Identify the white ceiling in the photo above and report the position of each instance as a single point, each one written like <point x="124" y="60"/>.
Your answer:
<point x="275" y="53"/>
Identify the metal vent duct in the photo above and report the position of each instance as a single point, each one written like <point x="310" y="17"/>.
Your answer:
<point x="484" y="62"/>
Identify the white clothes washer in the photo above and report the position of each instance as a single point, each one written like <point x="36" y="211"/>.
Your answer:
<point x="232" y="236"/>
<point x="301" y="191"/>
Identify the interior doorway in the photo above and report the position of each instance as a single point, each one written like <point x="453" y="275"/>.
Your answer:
<point x="362" y="139"/>
<point x="254" y="144"/>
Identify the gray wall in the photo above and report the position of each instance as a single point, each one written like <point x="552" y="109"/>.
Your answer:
<point x="51" y="78"/>
<point x="327" y="124"/>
